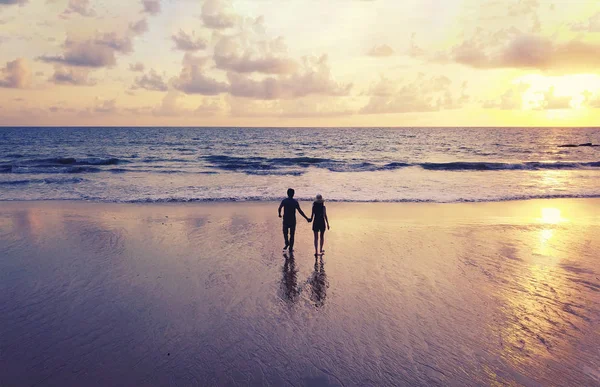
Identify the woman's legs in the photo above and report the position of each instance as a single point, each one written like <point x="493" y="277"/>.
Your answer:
<point x="316" y="241"/>
<point x="322" y="240"/>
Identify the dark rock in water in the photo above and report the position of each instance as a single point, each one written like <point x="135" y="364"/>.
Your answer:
<point x="586" y="144"/>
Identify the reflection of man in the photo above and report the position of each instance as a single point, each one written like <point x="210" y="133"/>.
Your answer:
<point x="289" y="281"/>
<point x="290" y="205"/>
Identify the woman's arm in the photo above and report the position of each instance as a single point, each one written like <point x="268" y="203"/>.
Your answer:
<point x="325" y="214"/>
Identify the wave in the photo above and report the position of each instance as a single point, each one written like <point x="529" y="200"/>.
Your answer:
<point x="587" y="144"/>
<point x="47" y="170"/>
<point x="256" y="165"/>
<point x="486" y="166"/>
<point x="73" y="161"/>
<point x="303" y="200"/>
<point x="42" y="181"/>
<point x="160" y="160"/>
<point x="60" y="165"/>
<point x="251" y="165"/>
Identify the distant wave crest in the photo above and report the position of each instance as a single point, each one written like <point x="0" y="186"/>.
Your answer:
<point x="60" y="165"/>
<point x="256" y="165"/>
<point x="251" y="165"/>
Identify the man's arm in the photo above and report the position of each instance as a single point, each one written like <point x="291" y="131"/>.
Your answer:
<point x="280" y="207"/>
<point x="301" y="212"/>
<point x="325" y="214"/>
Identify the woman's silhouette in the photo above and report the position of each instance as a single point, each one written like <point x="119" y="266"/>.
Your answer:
<point x="319" y="219"/>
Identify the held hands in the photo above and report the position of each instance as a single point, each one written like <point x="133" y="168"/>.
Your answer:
<point x="308" y="220"/>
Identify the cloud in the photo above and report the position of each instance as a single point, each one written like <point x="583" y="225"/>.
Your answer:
<point x="186" y="42"/>
<point x="511" y="99"/>
<point x="311" y="106"/>
<point x="151" y="6"/>
<point x="139" y="27"/>
<point x="16" y="74"/>
<point x="75" y="77"/>
<point x="530" y="51"/>
<point x="137" y="67"/>
<point x="97" y="52"/>
<point x="209" y="108"/>
<point x="192" y="80"/>
<point x="105" y="106"/>
<point x="551" y="101"/>
<point x="314" y="78"/>
<point x="190" y="60"/>
<point x="413" y="49"/>
<point x="218" y="14"/>
<point x="13" y="2"/>
<point x="421" y="95"/>
<point x="169" y="106"/>
<point x="79" y="6"/>
<point x="590" y="99"/>
<point x="590" y="25"/>
<point x="243" y="54"/>
<point x="381" y="51"/>
<point x="122" y="44"/>
<point x="150" y="81"/>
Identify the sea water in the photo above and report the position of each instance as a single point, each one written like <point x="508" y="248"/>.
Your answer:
<point x="343" y="164"/>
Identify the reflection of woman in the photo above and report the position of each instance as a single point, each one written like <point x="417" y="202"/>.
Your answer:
<point x="319" y="284"/>
<point x="319" y="219"/>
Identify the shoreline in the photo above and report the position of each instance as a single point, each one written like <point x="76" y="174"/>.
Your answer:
<point x="519" y="208"/>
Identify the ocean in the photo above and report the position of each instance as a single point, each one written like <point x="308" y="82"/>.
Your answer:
<point x="259" y="164"/>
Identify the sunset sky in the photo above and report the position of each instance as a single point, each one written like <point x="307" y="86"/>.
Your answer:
<point x="300" y="62"/>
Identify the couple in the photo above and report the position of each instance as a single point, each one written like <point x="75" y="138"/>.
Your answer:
<point x="318" y="217"/>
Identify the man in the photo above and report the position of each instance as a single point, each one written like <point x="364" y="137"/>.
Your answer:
<point x="290" y="205"/>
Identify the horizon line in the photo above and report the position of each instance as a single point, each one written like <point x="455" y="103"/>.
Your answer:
<point x="300" y="127"/>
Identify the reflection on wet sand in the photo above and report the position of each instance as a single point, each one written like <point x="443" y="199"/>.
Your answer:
<point x="459" y="294"/>
<point x="289" y="281"/>
<point x="544" y="312"/>
<point x="318" y="282"/>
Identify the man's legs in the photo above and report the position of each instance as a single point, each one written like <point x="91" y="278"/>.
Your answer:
<point x="285" y="235"/>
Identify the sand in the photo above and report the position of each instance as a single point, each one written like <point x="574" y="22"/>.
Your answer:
<point x="198" y="294"/>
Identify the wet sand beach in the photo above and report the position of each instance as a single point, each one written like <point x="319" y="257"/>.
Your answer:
<point x="201" y="294"/>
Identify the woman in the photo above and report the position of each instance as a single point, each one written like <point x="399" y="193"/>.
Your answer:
<point x="319" y="219"/>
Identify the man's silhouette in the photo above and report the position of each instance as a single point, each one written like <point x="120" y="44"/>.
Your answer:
<point x="290" y="205"/>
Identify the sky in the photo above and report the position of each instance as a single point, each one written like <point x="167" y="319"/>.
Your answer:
<point x="300" y="63"/>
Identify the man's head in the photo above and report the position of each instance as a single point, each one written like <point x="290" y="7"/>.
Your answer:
<point x="291" y="193"/>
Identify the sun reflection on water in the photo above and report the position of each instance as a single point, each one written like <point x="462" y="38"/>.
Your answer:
<point x="551" y="216"/>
